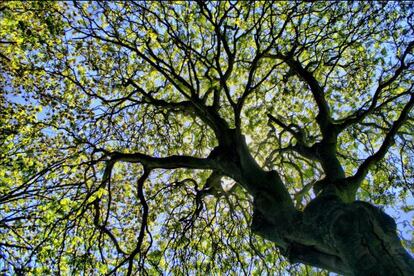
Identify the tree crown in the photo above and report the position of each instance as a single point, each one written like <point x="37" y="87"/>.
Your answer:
<point x="117" y="116"/>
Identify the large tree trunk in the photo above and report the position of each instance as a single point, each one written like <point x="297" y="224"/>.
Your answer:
<point x="348" y="238"/>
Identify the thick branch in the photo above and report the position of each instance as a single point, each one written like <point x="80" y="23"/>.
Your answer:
<point x="324" y="151"/>
<point x="323" y="118"/>
<point x="311" y="256"/>
<point x="170" y="162"/>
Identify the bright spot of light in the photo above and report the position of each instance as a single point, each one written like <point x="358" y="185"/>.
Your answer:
<point x="248" y="139"/>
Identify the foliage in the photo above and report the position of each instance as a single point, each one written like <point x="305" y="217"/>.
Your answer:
<point x="85" y="81"/>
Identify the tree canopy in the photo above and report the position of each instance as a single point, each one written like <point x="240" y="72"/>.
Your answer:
<point x="175" y="137"/>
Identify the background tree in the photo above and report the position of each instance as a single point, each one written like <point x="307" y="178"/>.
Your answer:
<point x="158" y="137"/>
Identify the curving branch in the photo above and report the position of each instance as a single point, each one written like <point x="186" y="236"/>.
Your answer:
<point x="361" y="114"/>
<point x="323" y="118"/>
<point x="298" y="134"/>
<point x="170" y="162"/>
<point x="208" y="114"/>
<point x="143" y="228"/>
<point x="355" y="180"/>
<point x="325" y="150"/>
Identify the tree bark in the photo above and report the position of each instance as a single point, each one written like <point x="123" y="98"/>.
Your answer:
<point x="354" y="238"/>
<point x="350" y="239"/>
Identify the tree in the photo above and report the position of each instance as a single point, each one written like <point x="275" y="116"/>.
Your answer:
<point x="205" y="137"/>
